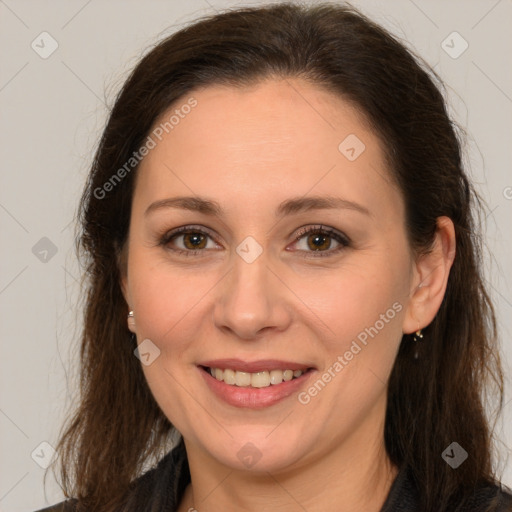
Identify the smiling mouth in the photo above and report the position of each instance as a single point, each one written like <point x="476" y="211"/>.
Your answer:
<point x="262" y="379"/>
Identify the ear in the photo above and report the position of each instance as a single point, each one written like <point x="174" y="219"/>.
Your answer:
<point x="123" y="283"/>
<point x="430" y="278"/>
<point x="125" y="289"/>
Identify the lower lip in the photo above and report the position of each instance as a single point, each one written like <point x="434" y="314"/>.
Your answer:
<point x="254" y="398"/>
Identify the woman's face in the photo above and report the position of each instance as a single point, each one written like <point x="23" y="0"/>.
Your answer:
<point x="249" y="291"/>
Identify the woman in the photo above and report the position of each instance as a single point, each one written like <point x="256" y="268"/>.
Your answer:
<point x="283" y="269"/>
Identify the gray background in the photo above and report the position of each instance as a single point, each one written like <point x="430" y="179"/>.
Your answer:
<point x="52" y="112"/>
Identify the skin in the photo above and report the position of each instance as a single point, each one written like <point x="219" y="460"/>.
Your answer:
<point x="250" y="149"/>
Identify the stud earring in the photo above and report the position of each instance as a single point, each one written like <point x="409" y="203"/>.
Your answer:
<point x="418" y="335"/>
<point x="131" y="319"/>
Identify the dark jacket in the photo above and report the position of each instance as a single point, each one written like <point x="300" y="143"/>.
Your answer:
<point x="161" y="489"/>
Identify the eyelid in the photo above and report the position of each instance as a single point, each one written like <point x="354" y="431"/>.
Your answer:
<point x="340" y="237"/>
<point x="313" y="228"/>
<point x="189" y="228"/>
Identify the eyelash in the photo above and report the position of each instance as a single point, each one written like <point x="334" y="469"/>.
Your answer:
<point x="342" y="239"/>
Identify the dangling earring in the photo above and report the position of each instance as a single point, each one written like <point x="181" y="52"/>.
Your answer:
<point x="418" y="335"/>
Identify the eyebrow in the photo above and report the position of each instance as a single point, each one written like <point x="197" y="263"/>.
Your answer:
<point x="288" y="207"/>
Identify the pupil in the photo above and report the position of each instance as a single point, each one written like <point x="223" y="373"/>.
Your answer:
<point x="319" y="242"/>
<point x="193" y="240"/>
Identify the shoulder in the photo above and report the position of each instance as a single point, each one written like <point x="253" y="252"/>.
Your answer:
<point x="493" y="498"/>
<point x="152" y="488"/>
<point x="404" y="496"/>
<point x="505" y="500"/>
<point x="63" y="506"/>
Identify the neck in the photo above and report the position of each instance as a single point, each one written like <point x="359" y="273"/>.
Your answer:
<point x="356" y="475"/>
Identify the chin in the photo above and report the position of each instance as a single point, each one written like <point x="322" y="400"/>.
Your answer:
<point x="259" y="453"/>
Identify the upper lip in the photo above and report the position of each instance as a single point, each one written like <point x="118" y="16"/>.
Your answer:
<point x="254" y="366"/>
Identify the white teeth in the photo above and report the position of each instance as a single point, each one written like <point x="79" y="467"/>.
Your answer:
<point x="256" y="380"/>
<point x="229" y="377"/>
<point x="276" y="377"/>
<point x="260" y="380"/>
<point x="287" y="375"/>
<point x="242" y="379"/>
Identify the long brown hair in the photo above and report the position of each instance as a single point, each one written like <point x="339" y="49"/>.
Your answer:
<point x="433" y="400"/>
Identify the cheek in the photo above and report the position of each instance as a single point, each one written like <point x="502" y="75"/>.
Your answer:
<point x="363" y="309"/>
<point x="168" y="301"/>
<point x="356" y="298"/>
<point x="169" y="308"/>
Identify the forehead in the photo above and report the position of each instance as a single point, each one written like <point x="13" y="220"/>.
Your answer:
<point x="274" y="138"/>
<point x="267" y="117"/>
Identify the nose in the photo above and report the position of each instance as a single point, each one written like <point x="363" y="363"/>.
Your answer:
<point x="252" y="300"/>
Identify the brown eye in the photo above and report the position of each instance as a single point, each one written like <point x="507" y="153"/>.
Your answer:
<point x="188" y="240"/>
<point x="194" y="240"/>
<point x="319" y="242"/>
